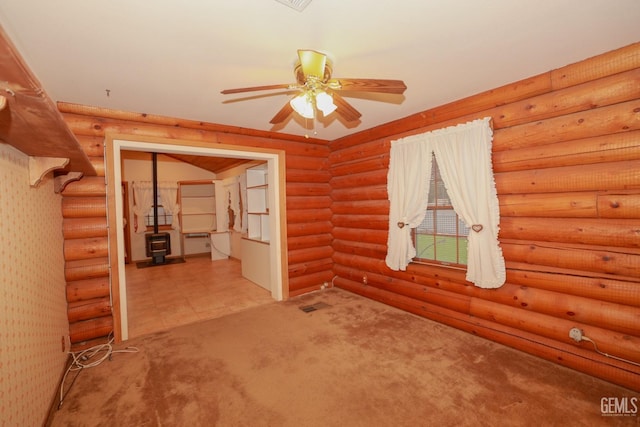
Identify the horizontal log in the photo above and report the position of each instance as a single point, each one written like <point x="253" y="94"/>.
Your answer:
<point x="94" y="247"/>
<point x="90" y="329"/>
<point x="622" y="233"/>
<point x="308" y="229"/>
<point x="608" y="90"/>
<point x="98" y="164"/>
<point x="82" y="290"/>
<point x="85" y="111"/>
<point x="596" y="177"/>
<point x="615" y="317"/>
<point x="79" y="228"/>
<point x="89" y="309"/>
<point x="83" y="207"/>
<point x="309" y="267"/>
<point x="93" y="146"/>
<point x="619" y="205"/>
<point x="363" y="179"/>
<point x="600" y="149"/>
<point x="310" y="254"/>
<point x="606" y="64"/>
<point x="370" y="250"/>
<point x="573" y="282"/>
<point x="562" y="281"/>
<point x="376" y="192"/>
<point x="460" y="111"/>
<point x="312" y="241"/>
<point x="604" y="260"/>
<point x="372" y="163"/>
<point x="88" y="186"/>
<point x="344" y="151"/>
<point x="549" y="205"/>
<point x="619" y="318"/>
<point x="379" y="237"/>
<point x="307" y="176"/>
<point x="375" y="265"/>
<point x="304" y="189"/>
<point x="305" y="162"/>
<point x="290" y="144"/>
<point x="308" y="202"/>
<point x="623" y="117"/>
<point x="566" y="354"/>
<point x="624" y="346"/>
<point x="310" y="281"/>
<point x="360" y="207"/>
<point x="371" y="154"/>
<point x="442" y="298"/>
<point x="364" y="222"/>
<point x="91" y="268"/>
<point x="308" y="215"/>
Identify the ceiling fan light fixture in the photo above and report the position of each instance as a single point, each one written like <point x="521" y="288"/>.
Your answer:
<point x="302" y="105"/>
<point x="324" y="102"/>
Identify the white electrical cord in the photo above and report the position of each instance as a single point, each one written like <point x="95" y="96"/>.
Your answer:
<point x="583" y="338"/>
<point x="87" y="359"/>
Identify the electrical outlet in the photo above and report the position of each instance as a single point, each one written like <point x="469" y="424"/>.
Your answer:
<point x="575" y="334"/>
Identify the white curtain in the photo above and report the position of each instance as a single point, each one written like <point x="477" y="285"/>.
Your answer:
<point x="463" y="154"/>
<point x="168" y="192"/>
<point x="143" y="194"/>
<point x="408" y="190"/>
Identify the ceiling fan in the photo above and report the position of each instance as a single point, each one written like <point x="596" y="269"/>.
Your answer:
<point x="319" y="91"/>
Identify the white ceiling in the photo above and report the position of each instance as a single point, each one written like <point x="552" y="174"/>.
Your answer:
<point x="173" y="58"/>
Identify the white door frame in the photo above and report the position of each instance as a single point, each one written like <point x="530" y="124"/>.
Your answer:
<point x="114" y="144"/>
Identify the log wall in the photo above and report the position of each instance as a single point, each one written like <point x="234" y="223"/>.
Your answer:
<point x="566" y="157"/>
<point x="308" y="204"/>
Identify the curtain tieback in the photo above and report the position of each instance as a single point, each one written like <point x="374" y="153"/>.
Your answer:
<point x="402" y="224"/>
<point x="477" y="227"/>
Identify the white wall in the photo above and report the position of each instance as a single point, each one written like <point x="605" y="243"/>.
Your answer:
<point x="137" y="166"/>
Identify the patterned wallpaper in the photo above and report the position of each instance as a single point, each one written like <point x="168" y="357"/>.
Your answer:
<point x="33" y="308"/>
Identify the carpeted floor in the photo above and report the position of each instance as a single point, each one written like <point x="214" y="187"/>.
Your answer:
<point x="350" y="362"/>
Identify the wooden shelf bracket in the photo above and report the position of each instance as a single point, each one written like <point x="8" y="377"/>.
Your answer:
<point x="40" y="166"/>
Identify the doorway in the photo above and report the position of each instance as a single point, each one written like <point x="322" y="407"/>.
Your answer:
<point x="276" y="176"/>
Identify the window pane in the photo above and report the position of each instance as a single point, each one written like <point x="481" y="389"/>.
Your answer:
<point x="441" y="236"/>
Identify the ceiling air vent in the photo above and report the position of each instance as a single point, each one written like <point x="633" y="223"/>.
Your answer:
<point x="298" y="5"/>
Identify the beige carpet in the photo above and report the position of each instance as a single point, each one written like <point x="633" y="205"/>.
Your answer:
<point x="355" y="362"/>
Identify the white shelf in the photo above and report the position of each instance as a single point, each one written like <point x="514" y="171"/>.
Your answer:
<point x="258" y="203"/>
<point x="197" y="201"/>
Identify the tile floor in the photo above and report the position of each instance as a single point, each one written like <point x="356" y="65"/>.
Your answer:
<point x="163" y="297"/>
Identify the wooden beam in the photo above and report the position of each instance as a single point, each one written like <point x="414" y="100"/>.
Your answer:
<point x="29" y="119"/>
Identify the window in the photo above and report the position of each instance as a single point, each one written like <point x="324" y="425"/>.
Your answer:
<point x="164" y="218"/>
<point x="441" y="236"/>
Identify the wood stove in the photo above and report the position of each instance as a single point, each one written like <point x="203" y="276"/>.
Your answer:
<point x="158" y="245"/>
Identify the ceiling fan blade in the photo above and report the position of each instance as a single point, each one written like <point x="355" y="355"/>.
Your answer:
<point x="370" y="85"/>
<point x="282" y="114"/>
<point x="255" y="88"/>
<point x="312" y="63"/>
<point x="345" y="109"/>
